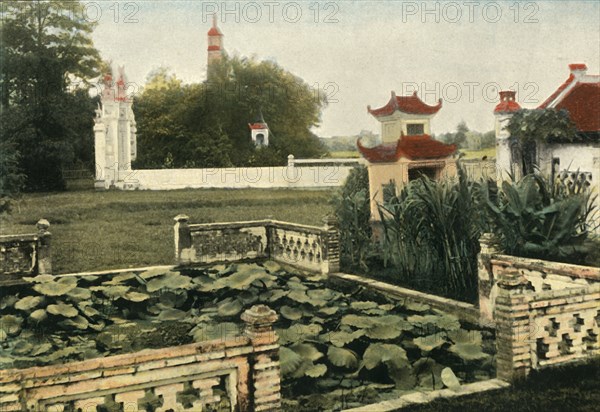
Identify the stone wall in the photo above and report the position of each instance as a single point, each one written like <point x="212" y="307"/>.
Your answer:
<point x="546" y="313"/>
<point x="239" y="373"/>
<point x="25" y="255"/>
<point x="307" y="247"/>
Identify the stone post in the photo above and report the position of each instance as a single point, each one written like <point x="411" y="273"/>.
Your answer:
<point x="44" y="255"/>
<point x="513" y="335"/>
<point x="265" y="379"/>
<point x="332" y="245"/>
<point x="487" y="284"/>
<point x="183" y="240"/>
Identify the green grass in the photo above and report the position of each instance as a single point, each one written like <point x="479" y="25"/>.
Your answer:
<point x="564" y="388"/>
<point x="113" y="229"/>
<point x="352" y="154"/>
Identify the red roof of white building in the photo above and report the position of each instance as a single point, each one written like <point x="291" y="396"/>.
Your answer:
<point x="214" y="30"/>
<point x="405" y="104"/>
<point x="411" y="147"/>
<point x="580" y="96"/>
<point x="257" y="126"/>
<point x="507" y="103"/>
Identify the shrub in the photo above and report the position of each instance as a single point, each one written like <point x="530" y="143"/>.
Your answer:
<point x="353" y="213"/>
<point x="535" y="218"/>
<point x="431" y="235"/>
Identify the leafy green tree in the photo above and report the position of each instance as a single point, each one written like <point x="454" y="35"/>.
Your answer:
<point x="528" y="128"/>
<point x="45" y="47"/>
<point x="206" y="125"/>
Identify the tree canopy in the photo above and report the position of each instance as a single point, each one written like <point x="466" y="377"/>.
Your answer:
<point x="45" y="49"/>
<point x="206" y="125"/>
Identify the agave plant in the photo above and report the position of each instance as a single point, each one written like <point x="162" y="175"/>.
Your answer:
<point x="535" y="218"/>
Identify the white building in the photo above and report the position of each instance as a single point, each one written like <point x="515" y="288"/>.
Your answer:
<point x="114" y="134"/>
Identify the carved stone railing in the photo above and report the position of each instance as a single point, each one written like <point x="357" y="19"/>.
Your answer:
<point x="237" y="373"/>
<point x="308" y="247"/>
<point x="25" y="255"/>
<point x="545" y="313"/>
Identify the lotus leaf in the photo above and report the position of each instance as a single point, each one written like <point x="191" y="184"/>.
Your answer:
<point x="290" y="312"/>
<point x="22" y="347"/>
<point x="271" y="266"/>
<point x="289" y="361"/>
<point x="229" y="307"/>
<point x="204" y="332"/>
<point x="88" y="311"/>
<point x="341" y="339"/>
<point x="173" y="298"/>
<point x="243" y="280"/>
<point x="62" y="309"/>
<point x="378" y="353"/>
<point x="299" y="296"/>
<point x="52" y="288"/>
<point x="11" y="324"/>
<point x="403" y="377"/>
<point x="79" y="294"/>
<point x="136" y="296"/>
<point x="315" y="371"/>
<point x="321" y="294"/>
<point x="383" y="331"/>
<point x="296" y="284"/>
<point x="308" y="351"/>
<point x="298" y="333"/>
<point x="204" y="283"/>
<point x="78" y="321"/>
<point x="449" y="379"/>
<point x="154" y="272"/>
<point x="430" y="342"/>
<point x="466" y="336"/>
<point x="98" y="326"/>
<point x="170" y="281"/>
<point x="272" y="295"/>
<point x="362" y="322"/>
<point x="172" y="314"/>
<point x="28" y="303"/>
<point x="416" y="306"/>
<point x="429" y="373"/>
<point x="112" y="292"/>
<point x="38" y="315"/>
<point x="248" y="297"/>
<point x="329" y="310"/>
<point x="468" y="351"/>
<point x="363" y="305"/>
<point x="119" y="279"/>
<point x="342" y="357"/>
<point x="41" y="349"/>
<point x="40" y="278"/>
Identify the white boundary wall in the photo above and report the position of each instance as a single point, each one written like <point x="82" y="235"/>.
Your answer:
<point x="236" y="178"/>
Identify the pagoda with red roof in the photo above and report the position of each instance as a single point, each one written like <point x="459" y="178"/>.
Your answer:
<point x="215" y="45"/>
<point x="407" y="150"/>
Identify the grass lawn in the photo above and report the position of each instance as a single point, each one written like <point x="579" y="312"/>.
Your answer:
<point x="117" y="229"/>
<point x="349" y="154"/>
<point x="564" y="388"/>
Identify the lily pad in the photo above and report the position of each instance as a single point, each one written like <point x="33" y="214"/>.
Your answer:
<point x="342" y="357"/>
<point x="308" y="351"/>
<point x="363" y="305"/>
<point x="52" y="288"/>
<point x="62" y="309"/>
<point x="136" y="296"/>
<point x="430" y="342"/>
<point x="341" y="338"/>
<point x="316" y="370"/>
<point x="28" y="303"/>
<point x="449" y="379"/>
<point x="172" y="314"/>
<point x="378" y="353"/>
<point x="224" y="330"/>
<point x="230" y="307"/>
<point x="289" y="361"/>
<point x="39" y="315"/>
<point x="290" y="312"/>
<point x="78" y="322"/>
<point x="170" y="281"/>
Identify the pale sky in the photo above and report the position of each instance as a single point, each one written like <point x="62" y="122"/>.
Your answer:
<point x="357" y="52"/>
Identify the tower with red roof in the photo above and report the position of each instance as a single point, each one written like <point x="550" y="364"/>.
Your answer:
<point x="407" y="150"/>
<point x="215" y="45"/>
<point x="503" y="112"/>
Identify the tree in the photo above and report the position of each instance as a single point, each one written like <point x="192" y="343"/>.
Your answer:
<point x="460" y="136"/>
<point x="529" y="128"/>
<point x="45" y="47"/>
<point x="206" y="125"/>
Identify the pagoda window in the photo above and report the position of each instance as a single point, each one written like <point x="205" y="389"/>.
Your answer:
<point x="260" y="139"/>
<point x="415" y="128"/>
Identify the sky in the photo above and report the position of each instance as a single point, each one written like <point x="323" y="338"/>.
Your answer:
<point x="357" y="52"/>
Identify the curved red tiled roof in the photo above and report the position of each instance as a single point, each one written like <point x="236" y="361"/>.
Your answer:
<point x="406" y="104"/>
<point x="583" y="105"/>
<point x="411" y="147"/>
<point x="257" y="125"/>
<point x="507" y="103"/>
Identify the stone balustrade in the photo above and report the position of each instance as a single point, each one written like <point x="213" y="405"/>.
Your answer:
<point x="25" y="254"/>
<point x="307" y="247"/>
<point x="238" y="373"/>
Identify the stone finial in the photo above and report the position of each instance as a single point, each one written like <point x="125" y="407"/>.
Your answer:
<point x="42" y="225"/>
<point x="181" y="218"/>
<point x="259" y="321"/>
<point x="291" y="160"/>
<point x="486" y="242"/>
<point x="513" y="279"/>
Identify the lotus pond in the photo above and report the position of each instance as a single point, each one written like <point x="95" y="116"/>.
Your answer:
<point x="341" y="346"/>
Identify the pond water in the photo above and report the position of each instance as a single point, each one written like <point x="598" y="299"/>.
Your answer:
<point x="341" y="345"/>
